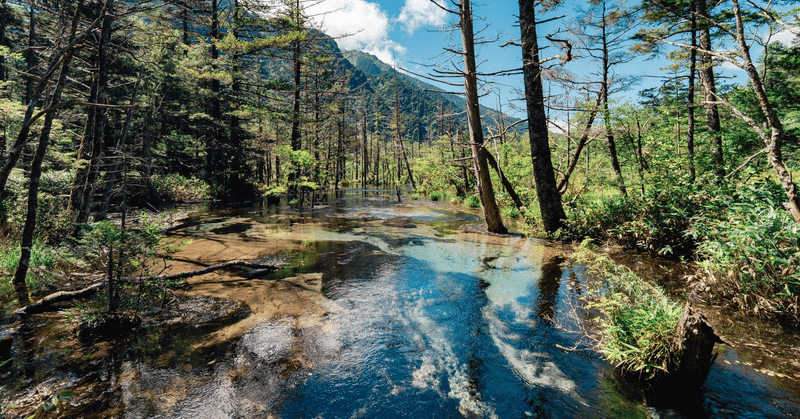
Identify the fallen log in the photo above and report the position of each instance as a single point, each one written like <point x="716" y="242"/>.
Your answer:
<point x="264" y="268"/>
<point x="48" y="303"/>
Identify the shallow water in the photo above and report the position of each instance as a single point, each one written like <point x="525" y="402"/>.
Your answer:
<point x="418" y="321"/>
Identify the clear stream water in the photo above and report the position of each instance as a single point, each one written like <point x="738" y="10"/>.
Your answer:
<point x="427" y="322"/>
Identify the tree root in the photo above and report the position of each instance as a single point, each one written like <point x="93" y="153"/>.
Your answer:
<point x="48" y="303"/>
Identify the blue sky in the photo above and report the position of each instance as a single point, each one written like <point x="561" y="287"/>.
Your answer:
<point x="409" y="33"/>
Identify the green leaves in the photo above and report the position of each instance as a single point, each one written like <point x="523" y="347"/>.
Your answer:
<point x="751" y="247"/>
<point x="638" y="323"/>
<point x="52" y="404"/>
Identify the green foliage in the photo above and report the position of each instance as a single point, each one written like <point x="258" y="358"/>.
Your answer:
<point x="51" y="223"/>
<point x="131" y="253"/>
<point x="174" y="187"/>
<point x="472" y="201"/>
<point x="655" y="223"/>
<point x="43" y="260"/>
<point x="750" y="247"/>
<point x="639" y="322"/>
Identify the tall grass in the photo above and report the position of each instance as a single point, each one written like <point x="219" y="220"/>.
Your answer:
<point x="42" y="259"/>
<point x="177" y="188"/>
<point x="638" y="322"/>
<point x="749" y="249"/>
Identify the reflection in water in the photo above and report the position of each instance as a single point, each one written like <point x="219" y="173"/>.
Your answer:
<point x="549" y="283"/>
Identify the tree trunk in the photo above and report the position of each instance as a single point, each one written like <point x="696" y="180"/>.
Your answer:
<point x="690" y="102"/>
<point x="562" y="185"/>
<point x="30" y="56"/>
<point x="550" y="205"/>
<point x="5" y="13"/>
<point x="297" y="74"/>
<point x="213" y="139"/>
<point x="774" y="139"/>
<point x="710" y="90"/>
<point x="118" y="148"/>
<point x="87" y="173"/>
<point x="491" y="213"/>
<point x="29" y="228"/>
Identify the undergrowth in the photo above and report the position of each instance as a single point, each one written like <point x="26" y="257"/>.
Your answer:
<point x="43" y="259"/>
<point x="176" y="188"/>
<point x="746" y="244"/>
<point x="638" y="322"/>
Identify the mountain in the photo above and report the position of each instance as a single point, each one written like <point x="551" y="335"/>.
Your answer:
<point x="374" y="84"/>
<point x="420" y="102"/>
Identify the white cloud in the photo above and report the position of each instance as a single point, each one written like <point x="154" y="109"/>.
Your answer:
<point x="387" y="51"/>
<point x="785" y="37"/>
<point x="360" y="25"/>
<point x="418" y="13"/>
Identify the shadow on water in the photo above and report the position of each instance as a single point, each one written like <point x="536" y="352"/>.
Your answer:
<point x="396" y="320"/>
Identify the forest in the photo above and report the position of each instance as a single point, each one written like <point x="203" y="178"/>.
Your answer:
<point x="111" y="111"/>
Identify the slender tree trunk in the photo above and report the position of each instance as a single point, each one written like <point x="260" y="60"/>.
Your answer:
<point x="639" y="155"/>
<point x="118" y="148"/>
<point x="30" y="55"/>
<point x="29" y="228"/>
<point x="364" y="149"/>
<point x="775" y="138"/>
<point x="550" y="205"/>
<point x="710" y="90"/>
<point x="297" y="74"/>
<point x="213" y="140"/>
<point x="87" y="173"/>
<point x="491" y="213"/>
<point x="5" y="14"/>
<point x="562" y="185"/>
<point x="399" y="138"/>
<point x="690" y="102"/>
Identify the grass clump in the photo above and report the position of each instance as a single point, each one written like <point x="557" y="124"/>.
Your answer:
<point x="43" y="259"/>
<point x="638" y="322"/>
<point x="176" y="188"/>
<point x="655" y="223"/>
<point x="472" y="201"/>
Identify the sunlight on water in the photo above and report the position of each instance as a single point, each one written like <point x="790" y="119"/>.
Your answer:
<point x="414" y="324"/>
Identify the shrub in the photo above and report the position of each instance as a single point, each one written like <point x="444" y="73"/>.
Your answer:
<point x="472" y="201"/>
<point x="750" y="250"/>
<point x="656" y="223"/>
<point x="120" y="253"/>
<point x="177" y="188"/>
<point x="638" y="323"/>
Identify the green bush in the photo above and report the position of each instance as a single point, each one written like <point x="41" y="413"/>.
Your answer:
<point x="749" y="248"/>
<point x="43" y="259"/>
<point x="472" y="201"/>
<point x="638" y="323"/>
<point x="121" y="253"/>
<point x="177" y="188"/>
<point x="656" y="223"/>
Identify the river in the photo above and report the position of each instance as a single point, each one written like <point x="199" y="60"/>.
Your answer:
<point x="390" y="310"/>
